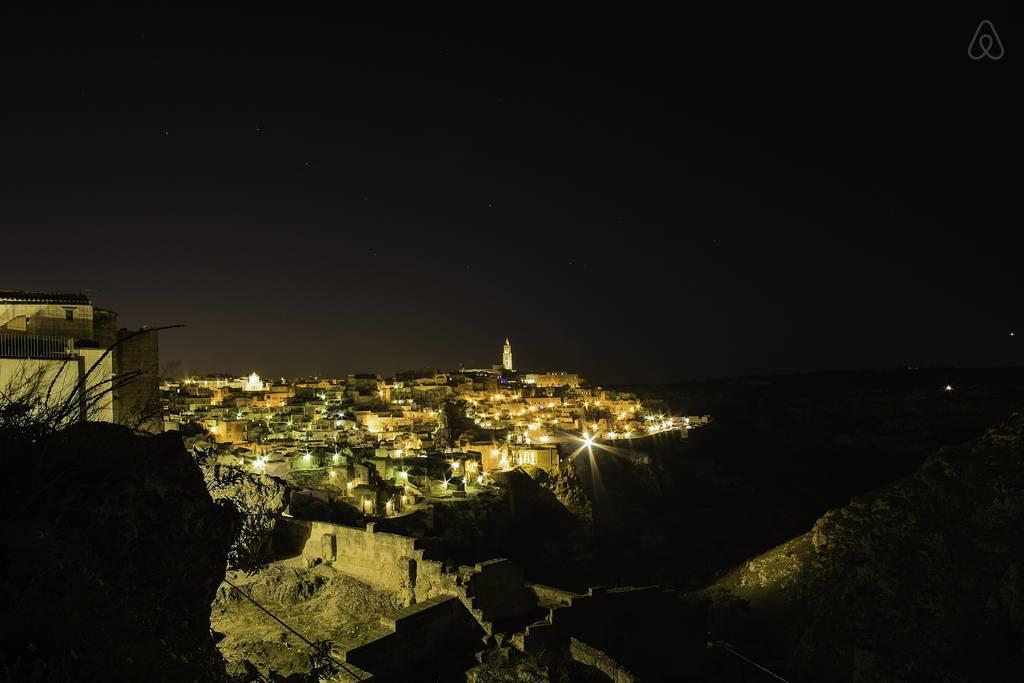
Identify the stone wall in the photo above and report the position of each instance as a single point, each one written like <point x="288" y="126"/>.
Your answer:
<point x="433" y="578"/>
<point x="548" y="595"/>
<point x="591" y="656"/>
<point x="390" y="562"/>
<point x="498" y="588"/>
<point x="138" y="402"/>
<point x="591" y="617"/>
<point x="424" y="637"/>
<point x="384" y="561"/>
<point x="631" y="629"/>
<point x="491" y="590"/>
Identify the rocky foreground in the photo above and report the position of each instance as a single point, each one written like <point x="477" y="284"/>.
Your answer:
<point x="922" y="579"/>
<point x="320" y="603"/>
<point x="111" y="551"/>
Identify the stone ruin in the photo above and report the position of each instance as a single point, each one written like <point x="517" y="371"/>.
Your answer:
<point x="472" y="611"/>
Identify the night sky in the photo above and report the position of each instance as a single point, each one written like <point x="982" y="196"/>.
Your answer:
<point x="637" y="198"/>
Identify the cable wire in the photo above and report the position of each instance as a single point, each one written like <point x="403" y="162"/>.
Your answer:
<point x="752" y="662"/>
<point x="301" y="637"/>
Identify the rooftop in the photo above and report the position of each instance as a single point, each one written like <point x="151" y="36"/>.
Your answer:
<point x="43" y="297"/>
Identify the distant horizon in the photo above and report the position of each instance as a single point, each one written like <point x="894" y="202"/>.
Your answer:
<point x="170" y="339"/>
<point x="715" y="378"/>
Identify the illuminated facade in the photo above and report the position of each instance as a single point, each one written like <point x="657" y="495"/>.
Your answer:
<point x="64" y="339"/>
<point x="254" y="383"/>
<point x="503" y="457"/>
<point x="506" y="355"/>
<point x="552" y="379"/>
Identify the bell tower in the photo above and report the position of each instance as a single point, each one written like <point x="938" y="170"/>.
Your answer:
<point x="506" y="355"/>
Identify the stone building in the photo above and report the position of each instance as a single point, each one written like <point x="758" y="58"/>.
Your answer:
<point x="364" y="389"/>
<point x="64" y="340"/>
<point x="506" y="355"/>
<point x="552" y="379"/>
<point x="499" y="457"/>
<point x="138" y="401"/>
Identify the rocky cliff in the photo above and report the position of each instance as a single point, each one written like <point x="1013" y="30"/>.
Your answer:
<point x="257" y="500"/>
<point x="111" y="552"/>
<point x="922" y="579"/>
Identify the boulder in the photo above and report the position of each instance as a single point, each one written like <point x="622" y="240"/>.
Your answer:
<point x="111" y="552"/>
<point x="259" y="500"/>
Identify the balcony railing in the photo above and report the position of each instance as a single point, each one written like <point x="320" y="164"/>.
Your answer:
<point x="36" y="346"/>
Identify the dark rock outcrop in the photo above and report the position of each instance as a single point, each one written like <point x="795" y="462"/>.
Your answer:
<point x="919" y="580"/>
<point x="524" y="522"/>
<point x="111" y="553"/>
<point x="779" y="453"/>
<point x="570" y="493"/>
<point x="258" y="500"/>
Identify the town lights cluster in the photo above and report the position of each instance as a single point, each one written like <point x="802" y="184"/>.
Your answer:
<point x="385" y="444"/>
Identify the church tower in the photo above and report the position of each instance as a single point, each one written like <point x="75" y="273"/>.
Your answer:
<point x="506" y="355"/>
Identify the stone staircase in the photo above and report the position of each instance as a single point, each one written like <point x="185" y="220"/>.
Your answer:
<point x="462" y="592"/>
<point x="494" y="591"/>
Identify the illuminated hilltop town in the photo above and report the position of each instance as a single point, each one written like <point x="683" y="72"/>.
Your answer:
<point x="380" y="513"/>
<point x="380" y="444"/>
<point x="387" y="443"/>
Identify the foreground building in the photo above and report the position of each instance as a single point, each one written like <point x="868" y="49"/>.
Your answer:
<point x="62" y="349"/>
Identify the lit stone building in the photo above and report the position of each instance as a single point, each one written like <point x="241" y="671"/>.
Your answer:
<point x="227" y="431"/>
<point x="501" y="457"/>
<point x="506" y="355"/>
<point x="254" y="383"/>
<point x="365" y="389"/>
<point x="552" y="379"/>
<point x="63" y="339"/>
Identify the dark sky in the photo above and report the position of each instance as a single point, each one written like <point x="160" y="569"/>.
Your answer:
<point x="641" y="198"/>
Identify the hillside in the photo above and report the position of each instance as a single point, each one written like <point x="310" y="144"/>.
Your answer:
<point x="922" y="579"/>
<point x="781" y="451"/>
